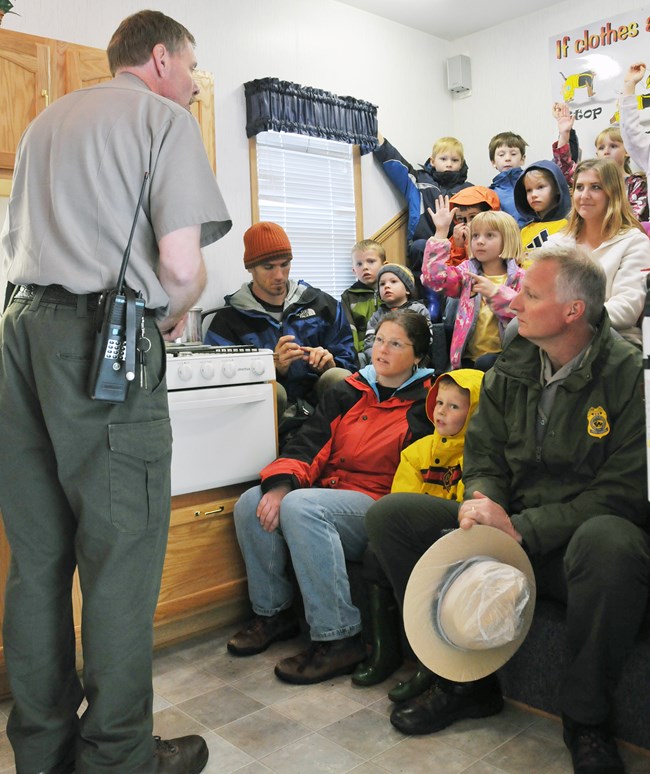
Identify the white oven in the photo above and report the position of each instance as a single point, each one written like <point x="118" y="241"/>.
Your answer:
<point x="222" y="410"/>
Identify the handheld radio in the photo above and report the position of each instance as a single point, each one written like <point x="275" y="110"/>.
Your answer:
<point x="119" y="318"/>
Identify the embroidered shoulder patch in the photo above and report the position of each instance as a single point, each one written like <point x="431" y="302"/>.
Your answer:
<point x="597" y="424"/>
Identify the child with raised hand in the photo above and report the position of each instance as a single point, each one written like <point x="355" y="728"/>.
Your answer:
<point x="360" y="301"/>
<point x="445" y="172"/>
<point x="609" y="145"/>
<point x="484" y="284"/>
<point x="396" y="291"/>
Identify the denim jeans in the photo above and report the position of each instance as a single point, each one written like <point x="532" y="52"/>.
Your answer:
<point x="319" y="530"/>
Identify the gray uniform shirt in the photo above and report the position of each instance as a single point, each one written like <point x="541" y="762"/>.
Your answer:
<point x="79" y="169"/>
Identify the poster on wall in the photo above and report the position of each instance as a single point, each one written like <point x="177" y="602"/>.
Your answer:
<point x="587" y="68"/>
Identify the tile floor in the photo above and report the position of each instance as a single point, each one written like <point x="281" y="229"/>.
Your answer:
<point x="254" y="723"/>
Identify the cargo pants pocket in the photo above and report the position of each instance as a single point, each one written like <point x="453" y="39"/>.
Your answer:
<point x="139" y="471"/>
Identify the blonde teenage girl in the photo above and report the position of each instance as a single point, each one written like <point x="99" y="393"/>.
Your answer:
<point x="601" y="220"/>
<point x="484" y="283"/>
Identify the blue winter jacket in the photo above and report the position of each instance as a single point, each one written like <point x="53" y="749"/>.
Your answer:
<point x="504" y="185"/>
<point x="311" y="315"/>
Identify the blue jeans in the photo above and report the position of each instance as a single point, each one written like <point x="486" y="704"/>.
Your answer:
<point x="319" y="530"/>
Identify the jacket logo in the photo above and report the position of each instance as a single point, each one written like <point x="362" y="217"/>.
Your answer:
<point x="304" y="313"/>
<point x="597" y="424"/>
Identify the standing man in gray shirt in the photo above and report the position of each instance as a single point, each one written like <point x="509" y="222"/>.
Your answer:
<point x="86" y="484"/>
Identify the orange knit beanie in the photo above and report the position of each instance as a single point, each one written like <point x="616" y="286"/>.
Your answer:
<point x="265" y="242"/>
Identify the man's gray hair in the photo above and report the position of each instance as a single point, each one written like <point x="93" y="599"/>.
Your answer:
<point x="579" y="276"/>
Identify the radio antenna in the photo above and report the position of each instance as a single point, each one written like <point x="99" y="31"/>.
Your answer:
<point x="127" y="250"/>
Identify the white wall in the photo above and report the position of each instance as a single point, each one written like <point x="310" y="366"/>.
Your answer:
<point x="320" y="43"/>
<point x="328" y="45"/>
<point x="511" y="81"/>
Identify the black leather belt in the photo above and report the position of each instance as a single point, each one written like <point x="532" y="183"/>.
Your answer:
<point x="55" y="294"/>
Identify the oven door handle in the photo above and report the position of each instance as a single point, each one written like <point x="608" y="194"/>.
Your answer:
<point x="230" y="400"/>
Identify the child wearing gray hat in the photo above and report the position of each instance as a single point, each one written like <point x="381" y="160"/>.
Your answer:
<point x="396" y="286"/>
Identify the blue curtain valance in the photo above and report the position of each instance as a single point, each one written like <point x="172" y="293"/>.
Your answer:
<point x="282" y="106"/>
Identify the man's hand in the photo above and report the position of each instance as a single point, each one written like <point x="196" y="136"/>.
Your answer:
<point x="482" y="510"/>
<point x="268" y="510"/>
<point x="286" y="352"/>
<point x="177" y="331"/>
<point x="319" y="358"/>
<point x="633" y="76"/>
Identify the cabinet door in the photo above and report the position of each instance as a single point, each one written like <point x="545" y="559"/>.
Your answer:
<point x="203" y="111"/>
<point x="203" y="567"/>
<point x="25" y="90"/>
<point x="82" y="66"/>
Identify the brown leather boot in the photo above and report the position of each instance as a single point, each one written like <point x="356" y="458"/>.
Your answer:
<point x="322" y="660"/>
<point x="263" y="631"/>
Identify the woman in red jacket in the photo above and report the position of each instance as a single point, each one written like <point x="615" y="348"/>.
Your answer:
<point x="312" y="501"/>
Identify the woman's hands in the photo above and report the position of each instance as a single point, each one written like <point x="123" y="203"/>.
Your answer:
<point x="268" y="511"/>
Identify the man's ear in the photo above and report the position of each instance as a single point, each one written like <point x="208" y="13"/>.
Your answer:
<point x="575" y="311"/>
<point x="160" y="57"/>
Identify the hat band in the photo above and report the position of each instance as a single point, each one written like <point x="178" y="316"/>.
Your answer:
<point x="452" y="575"/>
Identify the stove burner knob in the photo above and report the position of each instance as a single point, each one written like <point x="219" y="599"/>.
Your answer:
<point x="207" y="370"/>
<point x="185" y="372"/>
<point x="258" y="366"/>
<point x="229" y="369"/>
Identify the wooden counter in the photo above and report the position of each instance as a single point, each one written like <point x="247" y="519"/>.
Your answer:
<point x="204" y="578"/>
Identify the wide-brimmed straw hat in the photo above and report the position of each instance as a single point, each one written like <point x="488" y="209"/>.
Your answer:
<point x="469" y="603"/>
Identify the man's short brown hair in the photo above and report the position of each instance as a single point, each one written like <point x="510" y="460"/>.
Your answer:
<point x="133" y="41"/>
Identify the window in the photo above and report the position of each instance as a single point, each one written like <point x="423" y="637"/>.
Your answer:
<point x="311" y="187"/>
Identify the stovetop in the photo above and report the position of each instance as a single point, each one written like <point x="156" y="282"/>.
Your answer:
<point x="193" y="366"/>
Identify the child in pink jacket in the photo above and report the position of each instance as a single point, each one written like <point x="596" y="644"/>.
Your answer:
<point x="485" y="283"/>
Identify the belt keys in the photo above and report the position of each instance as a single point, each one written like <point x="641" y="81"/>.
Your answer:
<point x="143" y="346"/>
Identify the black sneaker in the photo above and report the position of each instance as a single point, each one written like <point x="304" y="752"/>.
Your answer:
<point x="322" y="660"/>
<point x="445" y="703"/>
<point x="263" y="631"/>
<point x="593" y="750"/>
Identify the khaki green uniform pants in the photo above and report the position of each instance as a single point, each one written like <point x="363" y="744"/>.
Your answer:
<point x="601" y="576"/>
<point x="82" y="484"/>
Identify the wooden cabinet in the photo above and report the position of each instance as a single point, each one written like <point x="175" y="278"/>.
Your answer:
<point x="204" y="578"/>
<point x="34" y="71"/>
<point x="25" y="89"/>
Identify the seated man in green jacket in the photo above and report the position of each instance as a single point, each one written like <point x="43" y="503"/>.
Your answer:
<point x="556" y="458"/>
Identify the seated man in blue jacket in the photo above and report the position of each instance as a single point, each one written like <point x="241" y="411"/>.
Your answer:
<point x="305" y="327"/>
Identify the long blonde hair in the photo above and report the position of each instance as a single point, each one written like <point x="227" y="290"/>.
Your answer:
<point x="506" y="225"/>
<point x="618" y="216"/>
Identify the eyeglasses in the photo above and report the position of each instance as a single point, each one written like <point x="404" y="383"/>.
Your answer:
<point x="397" y="346"/>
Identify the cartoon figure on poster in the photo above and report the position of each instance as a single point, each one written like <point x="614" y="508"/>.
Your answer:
<point x="587" y="67"/>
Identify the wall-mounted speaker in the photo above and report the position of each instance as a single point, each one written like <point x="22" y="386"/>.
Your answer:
<point x="459" y="74"/>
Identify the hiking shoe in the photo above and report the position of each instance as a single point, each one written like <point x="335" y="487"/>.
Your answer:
<point x="322" y="660"/>
<point x="593" y="750"/>
<point x="263" y="631"/>
<point x="445" y="703"/>
<point x="184" y="755"/>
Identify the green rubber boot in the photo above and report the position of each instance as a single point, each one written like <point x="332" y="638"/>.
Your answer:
<point x="386" y="654"/>
<point x="409" y="689"/>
